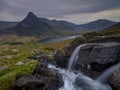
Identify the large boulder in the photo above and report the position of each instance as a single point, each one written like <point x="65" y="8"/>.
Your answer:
<point x="28" y="82"/>
<point x="59" y="53"/>
<point x="115" y="80"/>
<point x="60" y="58"/>
<point x="43" y="78"/>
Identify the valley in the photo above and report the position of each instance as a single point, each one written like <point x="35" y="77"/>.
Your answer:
<point x="29" y="46"/>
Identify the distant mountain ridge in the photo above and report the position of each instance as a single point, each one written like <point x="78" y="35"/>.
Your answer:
<point x="114" y="27"/>
<point x="6" y="24"/>
<point x="112" y="30"/>
<point x="96" y="25"/>
<point x="35" y="26"/>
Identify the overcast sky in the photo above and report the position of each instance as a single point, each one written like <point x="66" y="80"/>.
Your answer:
<point x="77" y="11"/>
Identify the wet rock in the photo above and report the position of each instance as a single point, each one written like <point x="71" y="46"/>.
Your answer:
<point x="51" y="78"/>
<point x="99" y="54"/>
<point x="70" y="48"/>
<point x="83" y="82"/>
<point x="115" y="80"/>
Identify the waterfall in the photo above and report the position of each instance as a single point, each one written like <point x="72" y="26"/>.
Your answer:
<point x="79" y="81"/>
<point x="73" y="58"/>
<point x="107" y="73"/>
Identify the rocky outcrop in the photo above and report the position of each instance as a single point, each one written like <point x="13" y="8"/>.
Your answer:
<point x="43" y="78"/>
<point x="70" y="48"/>
<point x="95" y="58"/>
<point x="101" y="54"/>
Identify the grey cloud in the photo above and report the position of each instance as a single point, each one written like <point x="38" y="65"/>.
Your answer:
<point x="92" y="6"/>
<point x="60" y="7"/>
<point x="56" y="8"/>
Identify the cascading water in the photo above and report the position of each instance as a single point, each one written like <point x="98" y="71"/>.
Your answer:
<point x="74" y="57"/>
<point x="79" y="81"/>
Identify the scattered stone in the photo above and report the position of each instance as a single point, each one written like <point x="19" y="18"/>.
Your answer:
<point x="15" y="50"/>
<point x="7" y="57"/>
<point x="2" y="68"/>
<point x="19" y="63"/>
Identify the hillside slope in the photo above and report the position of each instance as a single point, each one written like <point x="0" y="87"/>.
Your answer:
<point x="5" y="24"/>
<point x="34" y="26"/>
<point x="113" y="30"/>
<point x="96" y="25"/>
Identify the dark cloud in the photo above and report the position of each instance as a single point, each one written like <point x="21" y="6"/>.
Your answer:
<point x="56" y="8"/>
<point x="90" y="6"/>
<point x="5" y="7"/>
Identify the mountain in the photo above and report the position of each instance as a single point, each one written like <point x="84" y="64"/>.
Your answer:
<point x="42" y="27"/>
<point x="5" y="24"/>
<point x="64" y="24"/>
<point x="113" y="30"/>
<point x="34" y="26"/>
<point x="96" y="25"/>
<point x="89" y="27"/>
<point x="114" y="27"/>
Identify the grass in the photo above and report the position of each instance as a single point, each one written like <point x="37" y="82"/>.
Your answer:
<point x="8" y="76"/>
<point x="11" y="53"/>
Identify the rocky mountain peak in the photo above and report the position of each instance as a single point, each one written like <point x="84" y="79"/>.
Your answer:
<point x="31" y="14"/>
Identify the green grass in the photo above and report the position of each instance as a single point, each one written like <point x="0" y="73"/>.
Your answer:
<point x="8" y="76"/>
<point x="20" y="53"/>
